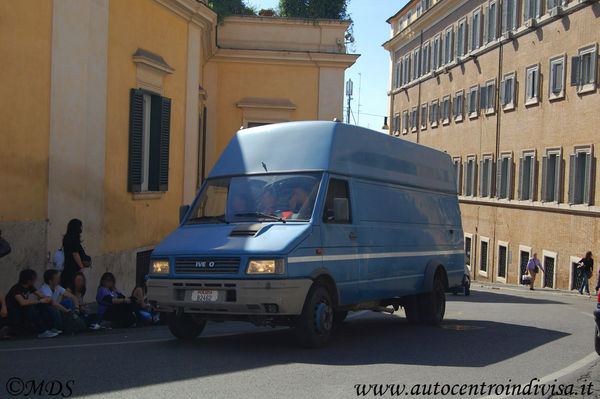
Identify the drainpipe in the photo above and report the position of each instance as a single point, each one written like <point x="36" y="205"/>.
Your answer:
<point x="419" y="90"/>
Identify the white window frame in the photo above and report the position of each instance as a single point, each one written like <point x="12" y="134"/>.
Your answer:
<point x="532" y="81"/>
<point x="470" y="264"/>
<point x="445" y="115"/>
<point x="423" y="114"/>
<point x="590" y="85"/>
<point x="489" y="179"/>
<point x="552" y="255"/>
<point x="483" y="239"/>
<point x="458" y="114"/>
<point x="501" y="177"/>
<point x="505" y="245"/>
<point x="448" y="45"/>
<point x="436" y="52"/>
<point x="434" y="117"/>
<point x="508" y="105"/>
<point x="405" y="124"/>
<point x="532" y="175"/>
<point x="426" y="59"/>
<point x="461" y="43"/>
<point x="475" y="29"/>
<point x="557" y="180"/>
<point x="470" y="185"/>
<point x="473" y="98"/>
<point x="587" y="194"/>
<point x="414" y="119"/>
<point x="558" y="60"/>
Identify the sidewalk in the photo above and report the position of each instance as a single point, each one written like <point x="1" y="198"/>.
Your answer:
<point x="512" y="287"/>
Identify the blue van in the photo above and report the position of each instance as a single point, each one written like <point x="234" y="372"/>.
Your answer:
<point x="299" y="223"/>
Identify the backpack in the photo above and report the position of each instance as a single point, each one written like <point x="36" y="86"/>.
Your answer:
<point x="58" y="260"/>
<point x="73" y="323"/>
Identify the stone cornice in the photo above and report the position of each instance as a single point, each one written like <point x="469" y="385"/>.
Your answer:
<point x="333" y="60"/>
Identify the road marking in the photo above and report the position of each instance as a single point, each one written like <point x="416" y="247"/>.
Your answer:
<point x="586" y="361"/>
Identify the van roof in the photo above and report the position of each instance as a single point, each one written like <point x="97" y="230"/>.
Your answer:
<point x="335" y="147"/>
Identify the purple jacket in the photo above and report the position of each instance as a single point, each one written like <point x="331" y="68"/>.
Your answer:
<point x="103" y="301"/>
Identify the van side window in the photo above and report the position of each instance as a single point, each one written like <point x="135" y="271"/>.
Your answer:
<point x="337" y="192"/>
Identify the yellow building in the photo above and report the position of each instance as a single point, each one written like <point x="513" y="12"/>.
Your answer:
<point x="114" y="111"/>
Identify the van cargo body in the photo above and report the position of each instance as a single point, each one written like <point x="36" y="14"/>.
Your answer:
<point x="300" y="222"/>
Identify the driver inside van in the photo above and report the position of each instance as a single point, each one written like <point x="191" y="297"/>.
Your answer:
<point x="297" y="199"/>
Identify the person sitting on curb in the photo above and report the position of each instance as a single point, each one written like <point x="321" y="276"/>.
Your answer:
<point x="533" y="267"/>
<point x="24" y="307"/>
<point x="114" y="308"/>
<point x="62" y="300"/>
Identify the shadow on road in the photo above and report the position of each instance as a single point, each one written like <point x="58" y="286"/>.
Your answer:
<point x="366" y="340"/>
<point x="495" y="297"/>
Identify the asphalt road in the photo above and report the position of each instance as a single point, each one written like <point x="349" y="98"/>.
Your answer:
<point x="495" y="336"/>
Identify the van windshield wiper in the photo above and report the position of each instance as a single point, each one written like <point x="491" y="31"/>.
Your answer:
<point x="262" y="215"/>
<point x="201" y="219"/>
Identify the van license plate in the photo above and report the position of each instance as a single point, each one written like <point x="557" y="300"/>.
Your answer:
<point x="205" y="295"/>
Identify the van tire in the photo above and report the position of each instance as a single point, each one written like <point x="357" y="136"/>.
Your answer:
<point x="432" y="305"/>
<point x="184" y="326"/>
<point x="314" y="326"/>
<point x="411" y="310"/>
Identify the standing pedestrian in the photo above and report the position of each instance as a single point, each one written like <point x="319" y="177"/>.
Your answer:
<point x="586" y="266"/>
<point x="75" y="257"/>
<point x="533" y="267"/>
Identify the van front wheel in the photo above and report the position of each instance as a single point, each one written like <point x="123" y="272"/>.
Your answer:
<point x="184" y="326"/>
<point x="313" y="327"/>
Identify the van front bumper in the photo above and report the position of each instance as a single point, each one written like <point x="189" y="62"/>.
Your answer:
<point x="234" y="297"/>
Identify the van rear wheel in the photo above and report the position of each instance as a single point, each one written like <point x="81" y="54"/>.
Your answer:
<point x="184" y="326"/>
<point x="411" y="309"/>
<point x="432" y="305"/>
<point x="314" y="326"/>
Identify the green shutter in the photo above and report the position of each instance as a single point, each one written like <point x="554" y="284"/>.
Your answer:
<point x="572" y="176"/>
<point x="545" y="186"/>
<point x="136" y="134"/>
<point x="589" y="179"/>
<point x="499" y="163"/>
<point x="165" y="135"/>
<point x="576" y="70"/>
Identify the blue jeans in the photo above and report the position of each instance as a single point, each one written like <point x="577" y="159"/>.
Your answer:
<point x="584" y="284"/>
<point x="40" y="315"/>
<point x="89" y="318"/>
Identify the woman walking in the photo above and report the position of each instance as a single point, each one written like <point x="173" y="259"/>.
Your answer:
<point x="75" y="257"/>
<point x="586" y="266"/>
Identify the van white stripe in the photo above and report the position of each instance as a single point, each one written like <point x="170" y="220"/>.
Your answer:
<point x="377" y="255"/>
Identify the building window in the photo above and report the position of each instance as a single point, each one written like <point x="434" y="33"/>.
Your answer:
<point x="532" y="84"/>
<point x="404" y="121"/>
<point x="556" y="83"/>
<point x="458" y="106"/>
<point x="531" y="9"/>
<point x="527" y="176"/>
<point x="445" y="110"/>
<point x="504" y="176"/>
<point x="416" y="65"/>
<point x="406" y="70"/>
<point x="414" y="117"/>
<point x="584" y="69"/>
<point x="461" y="35"/>
<point x="502" y="260"/>
<point x="509" y="15"/>
<point x="435" y="55"/>
<point x="475" y="30"/>
<point x="491" y="22"/>
<point x="507" y="91"/>
<point x="434" y="113"/>
<point x="575" y="277"/>
<point x="470" y="176"/>
<point x="457" y="162"/>
<point x="487" y="97"/>
<point x="581" y="176"/>
<point x="468" y="249"/>
<point x="549" y="275"/>
<point x="426" y="4"/>
<point x="423" y="116"/>
<point x="524" y="256"/>
<point x="551" y="176"/>
<point x="149" y="137"/>
<point x="447" y="55"/>
<point x="552" y="4"/>
<point x="425" y="58"/>
<point x="396" y="123"/>
<point x="472" y="101"/>
<point x="484" y="243"/>
<point x="486" y="175"/>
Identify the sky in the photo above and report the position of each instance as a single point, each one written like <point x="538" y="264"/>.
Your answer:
<point x="371" y="71"/>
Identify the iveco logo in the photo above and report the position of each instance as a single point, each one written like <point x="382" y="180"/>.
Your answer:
<point x="205" y="263"/>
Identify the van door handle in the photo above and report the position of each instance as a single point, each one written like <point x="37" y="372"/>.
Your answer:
<point x="353" y="235"/>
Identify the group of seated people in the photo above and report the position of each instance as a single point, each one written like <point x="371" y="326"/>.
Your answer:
<point x="51" y="307"/>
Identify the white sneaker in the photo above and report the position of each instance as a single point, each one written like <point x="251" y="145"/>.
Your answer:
<point x="95" y="327"/>
<point x="56" y="331"/>
<point x="47" y="334"/>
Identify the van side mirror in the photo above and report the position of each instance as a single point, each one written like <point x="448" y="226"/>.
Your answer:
<point x="341" y="210"/>
<point x="183" y="210"/>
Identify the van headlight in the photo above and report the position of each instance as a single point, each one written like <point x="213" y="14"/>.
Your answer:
<point x="266" y="266"/>
<point x="159" y="267"/>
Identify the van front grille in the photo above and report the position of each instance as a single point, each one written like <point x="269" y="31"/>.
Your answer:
<point x="207" y="265"/>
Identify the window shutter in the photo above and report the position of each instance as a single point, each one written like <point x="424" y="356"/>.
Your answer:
<point x="593" y="66"/>
<point x="499" y="177"/>
<point x="165" y="133"/>
<point x="576" y="70"/>
<point x="537" y="80"/>
<point x="470" y="30"/>
<point x="557" y="180"/>
<point x="505" y="6"/>
<point x="502" y="92"/>
<point x="483" y="98"/>
<point x="588" y="179"/>
<point x="529" y="83"/>
<point x="572" y="163"/>
<point x="469" y="102"/>
<point x="481" y="178"/>
<point x="458" y="177"/>
<point x="527" y="10"/>
<point x="545" y="188"/>
<point x="136" y="134"/>
<point x="533" y="179"/>
<point x="486" y="24"/>
<point x="509" y="178"/>
<point x="454" y="107"/>
<point x="474" y="179"/>
<point x="520" y="188"/>
<point x="492" y="95"/>
<point x="465" y="175"/>
<point x="491" y="180"/>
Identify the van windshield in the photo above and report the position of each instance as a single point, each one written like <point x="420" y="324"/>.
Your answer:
<point x="272" y="197"/>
